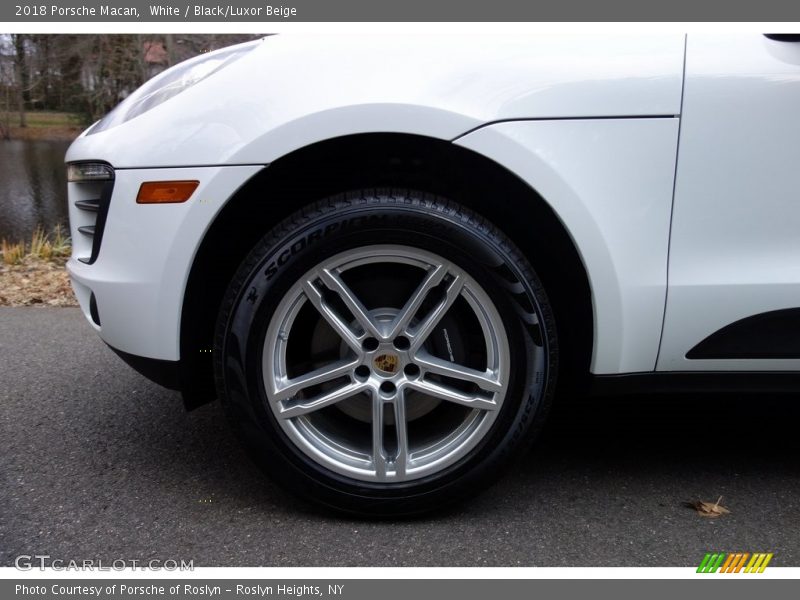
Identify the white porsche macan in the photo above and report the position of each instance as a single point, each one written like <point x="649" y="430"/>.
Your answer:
<point x="382" y="253"/>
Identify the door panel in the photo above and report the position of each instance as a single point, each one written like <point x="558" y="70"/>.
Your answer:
<point x="735" y="241"/>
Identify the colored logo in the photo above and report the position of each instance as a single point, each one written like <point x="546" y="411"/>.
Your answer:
<point x="386" y="363"/>
<point x="734" y="562"/>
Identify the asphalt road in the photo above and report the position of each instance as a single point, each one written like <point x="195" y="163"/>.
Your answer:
<point x="98" y="463"/>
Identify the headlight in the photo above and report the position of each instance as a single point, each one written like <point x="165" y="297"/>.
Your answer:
<point x="170" y="83"/>
<point x="79" y="172"/>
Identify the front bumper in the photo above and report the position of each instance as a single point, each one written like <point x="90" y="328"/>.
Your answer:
<point x="132" y="293"/>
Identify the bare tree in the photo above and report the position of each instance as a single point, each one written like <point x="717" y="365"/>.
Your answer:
<point x="23" y="79"/>
<point x="7" y="83"/>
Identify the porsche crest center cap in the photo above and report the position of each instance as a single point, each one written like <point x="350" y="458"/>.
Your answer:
<point x="386" y="363"/>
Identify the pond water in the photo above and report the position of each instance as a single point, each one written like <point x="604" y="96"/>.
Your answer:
<point x="33" y="187"/>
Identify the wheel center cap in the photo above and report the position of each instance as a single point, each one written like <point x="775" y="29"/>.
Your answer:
<point x="386" y="363"/>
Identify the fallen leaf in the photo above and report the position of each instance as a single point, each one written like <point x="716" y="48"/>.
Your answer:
<point x="712" y="510"/>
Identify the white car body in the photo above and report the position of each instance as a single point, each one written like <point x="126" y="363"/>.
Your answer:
<point x="670" y="161"/>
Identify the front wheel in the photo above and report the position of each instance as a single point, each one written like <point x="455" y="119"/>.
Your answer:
<point x="385" y="354"/>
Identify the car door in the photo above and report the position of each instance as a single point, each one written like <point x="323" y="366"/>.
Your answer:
<point x="733" y="298"/>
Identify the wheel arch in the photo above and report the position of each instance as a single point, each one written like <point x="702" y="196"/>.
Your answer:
<point x="382" y="160"/>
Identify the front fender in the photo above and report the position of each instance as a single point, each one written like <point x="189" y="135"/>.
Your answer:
<point x="610" y="183"/>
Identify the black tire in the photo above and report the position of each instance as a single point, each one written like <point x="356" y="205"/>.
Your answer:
<point x="347" y="223"/>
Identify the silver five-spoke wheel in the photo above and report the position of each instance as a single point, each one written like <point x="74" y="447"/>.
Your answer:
<point x="375" y="382"/>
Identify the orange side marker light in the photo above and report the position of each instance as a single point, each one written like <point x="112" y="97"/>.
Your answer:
<point x="165" y="192"/>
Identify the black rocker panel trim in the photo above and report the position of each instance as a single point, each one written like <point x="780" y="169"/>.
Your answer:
<point x="783" y="37"/>
<point x="774" y="334"/>
<point x="685" y="382"/>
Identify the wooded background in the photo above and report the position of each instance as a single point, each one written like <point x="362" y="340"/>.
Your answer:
<point x="86" y="75"/>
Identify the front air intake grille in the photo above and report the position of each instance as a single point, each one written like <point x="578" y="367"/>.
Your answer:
<point x="90" y="201"/>
<point x="91" y="205"/>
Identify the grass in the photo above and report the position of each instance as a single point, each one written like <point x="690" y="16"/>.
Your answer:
<point x="12" y="253"/>
<point x="43" y="125"/>
<point x="38" y="119"/>
<point x="42" y="246"/>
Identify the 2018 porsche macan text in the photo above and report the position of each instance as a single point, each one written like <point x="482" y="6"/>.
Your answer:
<point x="382" y="253"/>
